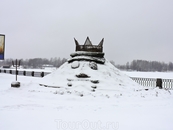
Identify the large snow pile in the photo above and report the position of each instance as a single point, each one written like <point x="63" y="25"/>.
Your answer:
<point x="90" y="78"/>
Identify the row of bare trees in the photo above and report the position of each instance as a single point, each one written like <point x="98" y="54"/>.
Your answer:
<point x="136" y="65"/>
<point x="143" y="65"/>
<point x="36" y="62"/>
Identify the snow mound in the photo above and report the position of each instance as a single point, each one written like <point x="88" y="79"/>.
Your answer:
<point x="83" y="80"/>
<point x="108" y="76"/>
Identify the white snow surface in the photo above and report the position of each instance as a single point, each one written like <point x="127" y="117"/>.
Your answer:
<point x="109" y="77"/>
<point x="164" y="75"/>
<point x="111" y="107"/>
<point x="112" y="82"/>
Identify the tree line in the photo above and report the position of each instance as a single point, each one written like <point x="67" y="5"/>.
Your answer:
<point x="36" y="62"/>
<point x="143" y="65"/>
<point x="135" y="65"/>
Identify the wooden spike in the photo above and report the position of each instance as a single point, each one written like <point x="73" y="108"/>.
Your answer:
<point x="88" y="42"/>
<point x="76" y="42"/>
<point x="101" y="43"/>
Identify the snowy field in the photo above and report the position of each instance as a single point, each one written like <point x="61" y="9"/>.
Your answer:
<point x="34" y="107"/>
<point x="164" y="75"/>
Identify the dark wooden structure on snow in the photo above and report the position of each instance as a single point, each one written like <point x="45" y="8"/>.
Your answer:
<point x="89" y="47"/>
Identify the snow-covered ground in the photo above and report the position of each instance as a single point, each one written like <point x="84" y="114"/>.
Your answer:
<point x="34" y="107"/>
<point x="164" y="75"/>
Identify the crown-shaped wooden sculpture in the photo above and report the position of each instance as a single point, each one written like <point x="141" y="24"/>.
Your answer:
<point x="88" y="46"/>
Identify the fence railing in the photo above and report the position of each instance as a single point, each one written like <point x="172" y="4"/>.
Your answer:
<point x="148" y="82"/>
<point x="152" y="82"/>
<point x="25" y="73"/>
<point x="167" y="83"/>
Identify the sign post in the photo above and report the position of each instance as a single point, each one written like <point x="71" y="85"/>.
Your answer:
<point x="2" y="46"/>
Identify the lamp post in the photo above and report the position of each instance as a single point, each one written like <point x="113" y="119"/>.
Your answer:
<point x="16" y="64"/>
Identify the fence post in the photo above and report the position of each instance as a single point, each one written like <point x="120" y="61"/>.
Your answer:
<point x="32" y="73"/>
<point x="159" y="83"/>
<point x="42" y="74"/>
<point x="24" y="73"/>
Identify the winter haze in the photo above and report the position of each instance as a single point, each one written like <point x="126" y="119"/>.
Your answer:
<point x="135" y="29"/>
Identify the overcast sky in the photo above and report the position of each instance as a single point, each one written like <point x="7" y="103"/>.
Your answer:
<point x="132" y="29"/>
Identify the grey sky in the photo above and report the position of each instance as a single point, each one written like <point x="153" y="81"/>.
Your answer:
<point x="133" y="29"/>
